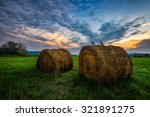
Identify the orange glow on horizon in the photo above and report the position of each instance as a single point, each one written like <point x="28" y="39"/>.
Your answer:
<point x="128" y="45"/>
<point x="61" y="40"/>
<point x="132" y="42"/>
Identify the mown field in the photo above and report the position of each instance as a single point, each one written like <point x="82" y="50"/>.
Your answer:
<point x="19" y="79"/>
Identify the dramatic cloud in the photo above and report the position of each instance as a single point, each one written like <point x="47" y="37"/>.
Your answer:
<point x="113" y="30"/>
<point x="141" y="47"/>
<point x="72" y="24"/>
<point x="44" y="15"/>
<point x="141" y="41"/>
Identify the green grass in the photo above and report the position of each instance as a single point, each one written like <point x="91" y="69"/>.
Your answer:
<point x="19" y="79"/>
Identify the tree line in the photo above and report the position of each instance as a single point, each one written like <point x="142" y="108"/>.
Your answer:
<point x="13" y="48"/>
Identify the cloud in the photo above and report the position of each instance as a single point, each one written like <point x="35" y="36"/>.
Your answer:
<point x="51" y="38"/>
<point x="110" y="9"/>
<point x="142" y="47"/>
<point x="111" y="30"/>
<point x="81" y="27"/>
<point x="67" y="23"/>
<point x="144" y="43"/>
<point x="45" y="15"/>
<point x="134" y="42"/>
<point x="146" y="24"/>
<point x="117" y="30"/>
<point x="40" y="38"/>
<point x="133" y="45"/>
<point x="88" y="6"/>
<point x="135" y="32"/>
<point x="32" y="13"/>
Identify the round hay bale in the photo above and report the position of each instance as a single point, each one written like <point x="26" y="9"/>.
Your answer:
<point x="100" y="63"/>
<point x="54" y="60"/>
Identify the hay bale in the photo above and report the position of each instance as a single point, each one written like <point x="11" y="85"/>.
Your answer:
<point x="100" y="63"/>
<point x="54" y="60"/>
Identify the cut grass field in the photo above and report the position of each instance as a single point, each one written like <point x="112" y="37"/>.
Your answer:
<point x="19" y="79"/>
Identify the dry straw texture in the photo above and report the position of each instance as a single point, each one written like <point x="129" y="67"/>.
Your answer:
<point x="54" y="60"/>
<point x="100" y="63"/>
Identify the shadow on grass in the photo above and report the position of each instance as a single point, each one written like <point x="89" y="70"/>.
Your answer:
<point x="86" y="89"/>
<point x="33" y="84"/>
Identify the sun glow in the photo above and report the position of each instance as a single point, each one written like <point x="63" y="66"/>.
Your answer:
<point x="56" y="39"/>
<point x="132" y="42"/>
<point x="146" y="24"/>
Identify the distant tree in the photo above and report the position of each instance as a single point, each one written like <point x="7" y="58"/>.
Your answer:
<point x="21" y="49"/>
<point x="13" y="48"/>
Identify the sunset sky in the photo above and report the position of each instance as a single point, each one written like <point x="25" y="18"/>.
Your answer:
<point x="71" y="24"/>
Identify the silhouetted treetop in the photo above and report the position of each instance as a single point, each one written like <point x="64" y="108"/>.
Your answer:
<point x="13" y="48"/>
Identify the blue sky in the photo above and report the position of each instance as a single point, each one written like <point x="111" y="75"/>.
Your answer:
<point x="71" y="24"/>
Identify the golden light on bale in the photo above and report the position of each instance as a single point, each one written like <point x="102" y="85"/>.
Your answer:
<point x="55" y="60"/>
<point x="99" y="63"/>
